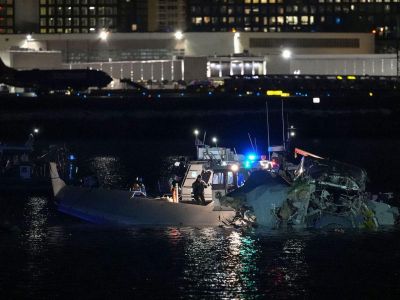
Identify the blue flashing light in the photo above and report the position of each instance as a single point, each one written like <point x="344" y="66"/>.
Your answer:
<point x="338" y="21"/>
<point x="158" y="96"/>
<point x="209" y="93"/>
<point x="84" y="96"/>
<point x="108" y="95"/>
<point x="252" y="157"/>
<point x="144" y="94"/>
<point x="72" y="157"/>
<point x="78" y="94"/>
<point x="247" y="164"/>
<point x="17" y="94"/>
<point x="258" y="94"/>
<point x="182" y="94"/>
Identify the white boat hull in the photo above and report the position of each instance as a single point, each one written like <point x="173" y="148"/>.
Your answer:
<point x="104" y="206"/>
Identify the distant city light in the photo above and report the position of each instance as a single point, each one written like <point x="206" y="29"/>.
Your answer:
<point x="103" y="35"/>
<point x="179" y="35"/>
<point x="286" y="54"/>
<point x="36" y="130"/>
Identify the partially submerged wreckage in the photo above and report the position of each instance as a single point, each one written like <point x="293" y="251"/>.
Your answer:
<point x="320" y="193"/>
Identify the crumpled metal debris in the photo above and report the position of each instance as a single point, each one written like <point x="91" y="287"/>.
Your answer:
<point x="323" y="194"/>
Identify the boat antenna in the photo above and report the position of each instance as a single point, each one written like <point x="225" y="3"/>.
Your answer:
<point x="255" y="145"/>
<point x="267" y="113"/>
<point x="204" y="137"/>
<point x="251" y="142"/>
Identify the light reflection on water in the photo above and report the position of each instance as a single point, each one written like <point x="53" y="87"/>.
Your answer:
<point x="220" y="264"/>
<point x="56" y="255"/>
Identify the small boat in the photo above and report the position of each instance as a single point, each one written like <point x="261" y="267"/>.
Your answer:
<point x="21" y="169"/>
<point x="120" y="207"/>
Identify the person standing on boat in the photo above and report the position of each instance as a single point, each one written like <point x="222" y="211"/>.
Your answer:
<point x="198" y="190"/>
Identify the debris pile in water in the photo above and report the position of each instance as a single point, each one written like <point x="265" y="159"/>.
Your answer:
<point x="323" y="194"/>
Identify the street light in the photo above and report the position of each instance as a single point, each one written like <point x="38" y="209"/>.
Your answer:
<point x="286" y="54"/>
<point x="215" y="140"/>
<point x="196" y="132"/>
<point x="179" y="35"/>
<point x="291" y="132"/>
<point x="103" y="35"/>
<point x="36" y="130"/>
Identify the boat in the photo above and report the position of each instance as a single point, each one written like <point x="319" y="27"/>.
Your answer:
<point x="22" y="169"/>
<point x="120" y="207"/>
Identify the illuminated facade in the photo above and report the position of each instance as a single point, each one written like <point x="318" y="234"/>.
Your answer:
<point x="6" y="16"/>
<point x="77" y="16"/>
<point x="90" y="16"/>
<point x="379" y="16"/>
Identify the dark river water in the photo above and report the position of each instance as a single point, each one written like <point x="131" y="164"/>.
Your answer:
<point x="50" y="256"/>
<point x="47" y="255"/>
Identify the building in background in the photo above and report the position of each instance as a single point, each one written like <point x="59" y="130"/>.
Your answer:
<point x="166" y="15"/>
<point x="147" y="39"/>
<point x="78" y="16"/>
<point x="381" y="17"/>
<point x="6" y="16"/>
<point x="378" y="16"/>
<point x="90" y="16"/>
<point x="199" y="55"/>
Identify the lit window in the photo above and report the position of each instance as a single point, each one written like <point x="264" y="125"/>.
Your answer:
<point x="292" y="20"/>
<point x="218" y="178"/>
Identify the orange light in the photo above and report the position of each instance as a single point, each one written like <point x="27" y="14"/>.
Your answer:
<point x="374" y="31"/>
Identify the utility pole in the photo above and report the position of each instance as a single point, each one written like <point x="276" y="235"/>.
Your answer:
<point x="397" y="45"/>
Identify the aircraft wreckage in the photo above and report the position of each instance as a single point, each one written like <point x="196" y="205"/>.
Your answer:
<point x="320" y="193"/>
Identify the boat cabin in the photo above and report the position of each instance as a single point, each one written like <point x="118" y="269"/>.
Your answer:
<point x="221" y="179"/>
